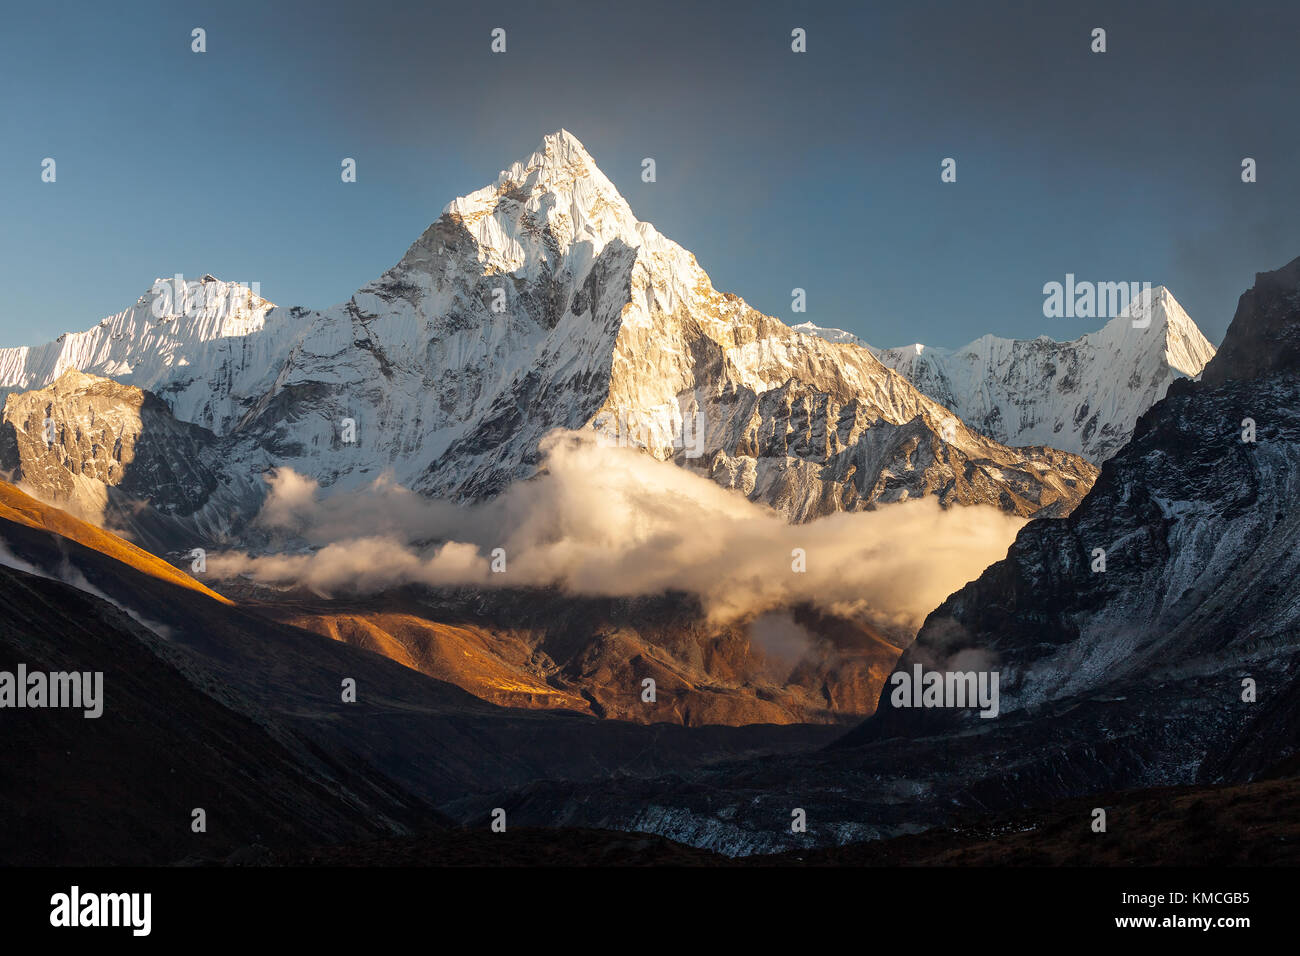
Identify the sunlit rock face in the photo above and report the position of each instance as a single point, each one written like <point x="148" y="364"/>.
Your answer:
<point x="89" y="444"/>
<point x="550" y="651"/>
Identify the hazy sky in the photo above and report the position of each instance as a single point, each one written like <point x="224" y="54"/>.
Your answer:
<point x="818" y="170"/>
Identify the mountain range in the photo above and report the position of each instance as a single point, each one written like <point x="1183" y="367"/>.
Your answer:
<point x="1083" y="396"/>
<point x="538" y="302"/>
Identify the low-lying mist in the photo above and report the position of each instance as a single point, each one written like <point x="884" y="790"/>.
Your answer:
<point x="608" y="521"/>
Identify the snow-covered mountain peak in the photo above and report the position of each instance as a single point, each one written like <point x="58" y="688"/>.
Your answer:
<point x="541" y="206"/>
<point x="1156" y="318"/>
<point x="560" y="156"/>
<point x="1192" y="514"/>
<point x="1082" y="396"/>
<point x="177" y="323"/>
<point x="557" y="166"/>
<point x="205" y="308"/>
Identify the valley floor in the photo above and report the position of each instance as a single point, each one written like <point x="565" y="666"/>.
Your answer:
<point x="1255" y="824"/>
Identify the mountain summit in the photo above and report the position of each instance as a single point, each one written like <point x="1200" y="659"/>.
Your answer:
<point x="559" y="185"/>
<point x="538" y="302"/>
<point x="1264" y="339"/>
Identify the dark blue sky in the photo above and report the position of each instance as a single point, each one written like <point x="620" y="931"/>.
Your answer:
<point x="777" y="170"/>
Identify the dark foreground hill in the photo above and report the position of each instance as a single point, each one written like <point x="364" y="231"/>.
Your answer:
<point x="209" y="706"/>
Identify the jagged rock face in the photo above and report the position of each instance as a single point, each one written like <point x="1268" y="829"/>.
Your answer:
<point x="808" y="456"/>
<point x="109" y="449"/>
<point x="103" y="435"/>
<point x="540" y="302"/>
<point x="1082" y="396"/>
<point x="1264" y="340"/>
<point x="1198" y="525"/>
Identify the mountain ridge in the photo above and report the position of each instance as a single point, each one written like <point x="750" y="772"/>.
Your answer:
<point x="1196" y="526"/>
<point x="1083" y="395"/>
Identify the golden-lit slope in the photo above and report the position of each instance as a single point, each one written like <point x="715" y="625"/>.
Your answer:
<point x="488" y="665"/>
<point x="23" y="509"/>
<point x="546" y="652"/>
<point x="491" y="666"/>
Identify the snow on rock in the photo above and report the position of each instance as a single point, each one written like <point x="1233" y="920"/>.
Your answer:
<point x="541" y="302"/>
<point x="1082" y="396"/>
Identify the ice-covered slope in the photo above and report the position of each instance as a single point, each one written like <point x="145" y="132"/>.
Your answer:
<point x="535" y="303"/>
<point x="1082" y="396"/>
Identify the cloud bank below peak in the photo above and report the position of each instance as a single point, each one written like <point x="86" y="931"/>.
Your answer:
<point x="608" y="521"/>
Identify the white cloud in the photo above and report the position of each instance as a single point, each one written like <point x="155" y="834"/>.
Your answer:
<point x="611" y="521"/>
